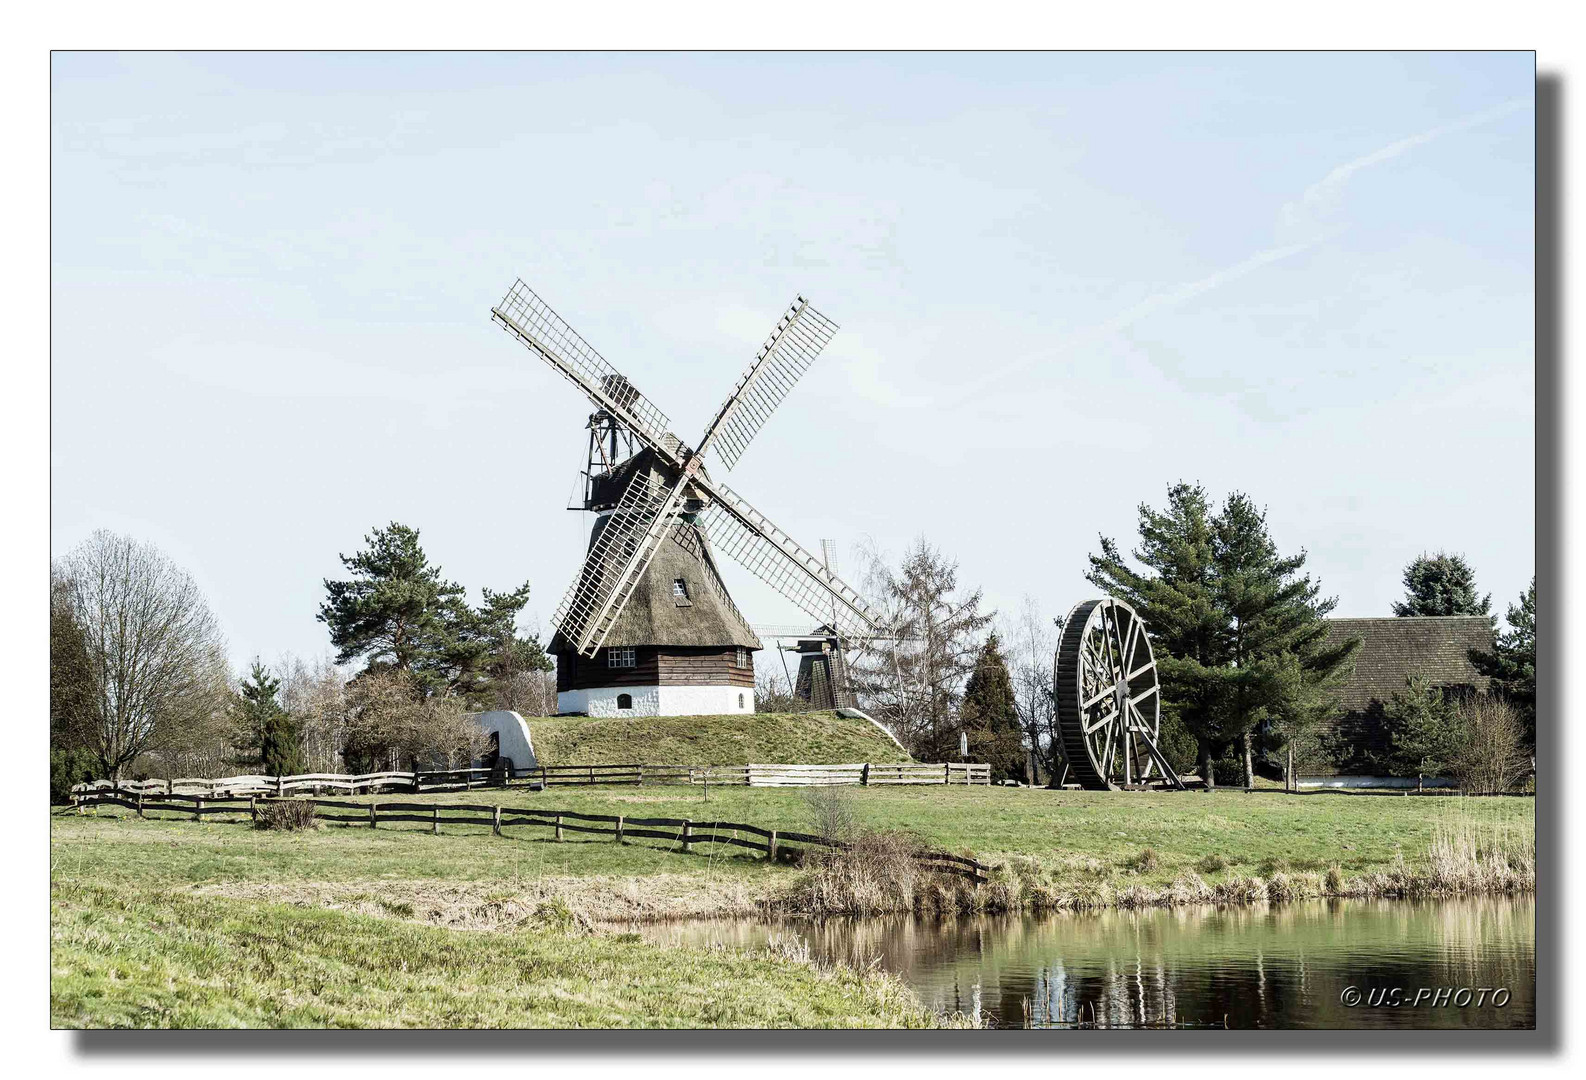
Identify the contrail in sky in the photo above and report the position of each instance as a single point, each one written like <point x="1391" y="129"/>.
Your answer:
<point x="1315" y="201"/>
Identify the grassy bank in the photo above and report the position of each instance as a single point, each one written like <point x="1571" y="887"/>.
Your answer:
<point x="1051" y="849"/>
<point x="813" y="738"/>
<point x="131" y="957"/>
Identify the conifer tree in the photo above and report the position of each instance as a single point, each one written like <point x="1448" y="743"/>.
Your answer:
<point x="267" y="727"/>
<point x="1239" y="633"/>
<point x="1441" y="584"/>
<point x="1512" y="663"/>
<point x="398" y="613"/>
<point x="989" y="715"/>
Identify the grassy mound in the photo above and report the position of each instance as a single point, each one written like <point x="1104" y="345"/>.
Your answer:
<point x="813" y="738"/>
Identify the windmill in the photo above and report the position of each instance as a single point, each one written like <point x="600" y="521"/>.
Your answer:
<point x="647" y="627"/>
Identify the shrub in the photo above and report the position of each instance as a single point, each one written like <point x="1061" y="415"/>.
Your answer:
<point x="831" y="812"/>
<point x="1491" y="754"/>
<point x="68" y="767"/>
<point x="1146" y="862"/>
<point x="290" y="815"/>
<point x="1212" y="864"/>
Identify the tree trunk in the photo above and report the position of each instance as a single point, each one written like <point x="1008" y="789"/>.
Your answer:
<point x="1250" y="772"/>
<point x="1208" y="774"/>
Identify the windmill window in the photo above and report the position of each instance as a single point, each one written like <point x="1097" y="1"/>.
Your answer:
<point x="740" y="701"/>
<point x="624" y="701"/>
<point x="622" y="657"/>
<point x="680" y="595"/>
<point x="742" y="659"/>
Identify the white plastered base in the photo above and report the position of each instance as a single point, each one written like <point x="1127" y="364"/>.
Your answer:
<point x="658" y="701"/>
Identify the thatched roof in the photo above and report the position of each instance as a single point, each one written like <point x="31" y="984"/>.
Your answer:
<point x="1393" y="648"/>
<point x="655" y="615"/>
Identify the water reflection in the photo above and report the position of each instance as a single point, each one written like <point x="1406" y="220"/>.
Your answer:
<point x="1263" y="966"/>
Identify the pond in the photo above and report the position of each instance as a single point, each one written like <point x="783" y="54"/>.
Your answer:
<point x="1468" y="963"/>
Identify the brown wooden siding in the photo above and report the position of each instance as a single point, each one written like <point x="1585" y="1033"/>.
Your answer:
<point x="656" y="666"/>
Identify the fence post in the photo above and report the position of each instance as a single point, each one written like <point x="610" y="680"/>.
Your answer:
<point x="280" y="786"/>
<point x="558" y="828"/>
<point x="947" y="776"/>
<point x="415" y="778"/>
<point x="253" y="809"/>
<point x="641" y="776"/>
<point x="373" y="814"/>
<point x="688" y="838"/>
<point x="864" y="775"/>
<point x="198" y="808"/>
<point x="140" y="804"/>
<point x="545" y="781"/>
<point x="435" y="821"/>
<point x="770" y="847"/>
<point x="495" y="821"/>
<point x="169" y="789"/>
<point x="591" y="774"/>
<point x="619" y="827"/>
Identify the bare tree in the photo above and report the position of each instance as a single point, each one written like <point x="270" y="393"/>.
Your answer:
<point x="390" y="726"/>
<point x="156" y="659"/>
<point x="1490" y="755"/>
<point x="773" y="694"/>
<point x="1031" y="644"/>
<point x="316" y="696"/>
<point x="916" y="689"/>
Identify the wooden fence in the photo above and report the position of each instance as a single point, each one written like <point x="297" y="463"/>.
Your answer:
<point x="778" y="844"/>
<point x="548" y="775"/>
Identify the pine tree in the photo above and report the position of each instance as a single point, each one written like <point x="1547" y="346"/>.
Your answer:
<point x="989" y="716"/>
<point x="1512" y="663"/>
<point x="1239" y="633"/>
<point x="265" y="726"/>
<point x="398" y="613"/>
<point x="1422" y="729"/>
<point x="1176" y="596"/>
<point x="508" y="658"/>
<point x="1441" y="584"/>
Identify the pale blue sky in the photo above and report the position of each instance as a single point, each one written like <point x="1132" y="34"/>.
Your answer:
<point x="1063" y="281"/>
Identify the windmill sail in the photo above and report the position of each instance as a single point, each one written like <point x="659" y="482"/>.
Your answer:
<point x="616" y="561"/>
<point x="749" y="538"/>
<point x="787" y="354"/>
<point x="532" y="321"/>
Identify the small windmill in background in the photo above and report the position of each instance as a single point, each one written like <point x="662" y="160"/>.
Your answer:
<point x="824" y="678"/>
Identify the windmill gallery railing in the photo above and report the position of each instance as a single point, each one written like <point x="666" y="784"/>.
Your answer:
<point x="861" y="774"/>
<point x="778" y="845"/>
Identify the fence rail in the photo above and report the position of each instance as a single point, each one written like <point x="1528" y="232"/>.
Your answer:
<point x="685" y="832"/>
<point x="770" y="775"/>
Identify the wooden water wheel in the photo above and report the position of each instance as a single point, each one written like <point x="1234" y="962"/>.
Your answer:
<point x="1109" y="702"/>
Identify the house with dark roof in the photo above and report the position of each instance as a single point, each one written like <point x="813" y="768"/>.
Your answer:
<point x="1391" y="650"/>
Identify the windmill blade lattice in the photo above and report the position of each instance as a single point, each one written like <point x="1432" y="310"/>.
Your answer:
<point x="533" y="322"/>
<point x="616" y="561"/>
<point x="798" y="339"/>
<point x="752" y="540"/>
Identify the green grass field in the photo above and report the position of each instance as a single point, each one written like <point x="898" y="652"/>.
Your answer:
<point x="181" y="923"/>
<point x="813" y="738"/>
<point x="142" y="958"/>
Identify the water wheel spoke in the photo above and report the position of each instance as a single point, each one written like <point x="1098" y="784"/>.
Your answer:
<point x="1142" y="695"/>
<point x="1141" y="670"/>
<point x="1103" y="692"/>
<point x="1108" y="718"/>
